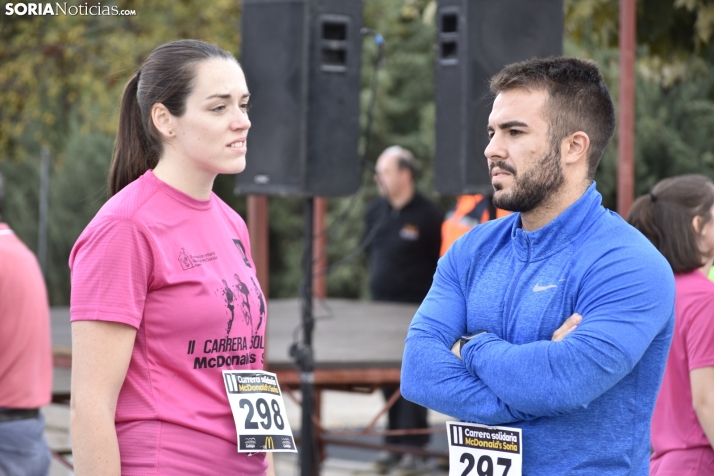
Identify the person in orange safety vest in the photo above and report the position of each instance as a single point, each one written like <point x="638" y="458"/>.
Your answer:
<point x="469" y="211"/>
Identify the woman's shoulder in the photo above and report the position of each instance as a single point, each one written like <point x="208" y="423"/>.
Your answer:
<point x="128" y="201"/>
<point x="694" y="291"/>
<point x="119" y="215"/>
<point x="694" y="281"/>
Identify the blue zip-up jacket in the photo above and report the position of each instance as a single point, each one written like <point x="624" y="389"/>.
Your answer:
<point x="584" y="403"/>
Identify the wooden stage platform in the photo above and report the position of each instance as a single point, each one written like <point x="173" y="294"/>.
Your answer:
<point x="355" y="342"/>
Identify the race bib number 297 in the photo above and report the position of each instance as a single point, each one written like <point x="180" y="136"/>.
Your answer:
<point x="480" y="450"/>
<point x="258" y="411"/>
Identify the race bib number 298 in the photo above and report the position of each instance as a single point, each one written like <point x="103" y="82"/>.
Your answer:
<point x="480" y="450"/>
<point x="258" y="411"/>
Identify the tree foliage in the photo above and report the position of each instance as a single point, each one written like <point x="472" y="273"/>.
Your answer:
<point x="60" y="84"/>
<point x="61" y="78"/>
<point x="676" y="37"/>
<point x="674" y="132"/>
<point x="54" y="66"/>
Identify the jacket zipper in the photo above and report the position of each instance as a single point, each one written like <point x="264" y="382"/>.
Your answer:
<point x="515" y="285"/>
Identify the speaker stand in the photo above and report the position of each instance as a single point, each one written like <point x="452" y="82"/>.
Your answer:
<point x="303" y="353"/>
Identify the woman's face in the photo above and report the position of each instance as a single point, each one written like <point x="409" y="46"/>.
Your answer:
<point x="210" y="137"/>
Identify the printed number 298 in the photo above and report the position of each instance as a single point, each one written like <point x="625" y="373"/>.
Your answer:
<point x="484" y="467"/>
<point x="264" y="413"/>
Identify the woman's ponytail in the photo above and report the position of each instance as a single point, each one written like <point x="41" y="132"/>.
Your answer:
<point x="134" y="151"/>
<point x="641" y="216"/>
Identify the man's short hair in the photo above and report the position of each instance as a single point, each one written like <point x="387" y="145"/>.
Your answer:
<point x="578" y="99"/>
<point x="405" y="159"/>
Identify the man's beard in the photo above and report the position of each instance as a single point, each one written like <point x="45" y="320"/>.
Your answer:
<point x="534" y="186"/>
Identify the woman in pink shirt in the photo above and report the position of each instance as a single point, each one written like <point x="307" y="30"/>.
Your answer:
<point x="678" y="218"/>
<point x="164" y="290"/>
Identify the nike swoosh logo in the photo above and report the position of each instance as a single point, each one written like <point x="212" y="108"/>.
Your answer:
<point x="538" y="287"/>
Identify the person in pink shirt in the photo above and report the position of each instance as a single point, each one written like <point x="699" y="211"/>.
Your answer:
<point x="160" y="301"/>
<point x="25" y="357"/>
<point x="678" y="218"/>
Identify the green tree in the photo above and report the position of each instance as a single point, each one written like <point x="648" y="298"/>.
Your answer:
<point x="675" y="130"/>
<point x="675" y="36"/>
<point x="57" y="66"/>
<point x="674" y="92"/>
<point x="60" y="84"/>
<point x="62" y="76"/>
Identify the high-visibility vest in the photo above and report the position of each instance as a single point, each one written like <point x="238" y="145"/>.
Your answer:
<point x="469" y="211"/>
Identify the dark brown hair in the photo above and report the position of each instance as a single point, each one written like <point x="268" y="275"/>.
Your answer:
<point x="665" y="216"/>
<point x="167" y="77"/>
<point x="578" y="99"/>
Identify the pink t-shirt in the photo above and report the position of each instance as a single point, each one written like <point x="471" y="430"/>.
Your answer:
<point x="179" y="270"/>
<point x="25" y="348"/>
<point x="680" y="446"/>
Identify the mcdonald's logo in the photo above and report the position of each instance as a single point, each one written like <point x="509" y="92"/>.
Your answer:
<point x="269" y="443"/>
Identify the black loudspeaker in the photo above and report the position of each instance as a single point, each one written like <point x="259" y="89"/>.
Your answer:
<point x="302" y="62"/>
<point x="475" y="40"/>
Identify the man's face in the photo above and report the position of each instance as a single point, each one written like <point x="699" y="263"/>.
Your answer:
<point x="525" y="169"/>
<point x="388" y="176"/>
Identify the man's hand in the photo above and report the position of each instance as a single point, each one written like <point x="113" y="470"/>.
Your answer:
<point x="569" y="324"/>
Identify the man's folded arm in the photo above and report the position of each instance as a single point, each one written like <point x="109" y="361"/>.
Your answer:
<point x="431" y="375"/>
<point x="623" y="312"/>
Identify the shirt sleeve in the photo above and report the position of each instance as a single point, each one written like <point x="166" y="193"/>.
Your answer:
<point x="431" y="375"/>
<point x="112" y="266"/>
<point x="700" y="336"/>
<point x="626" y="300"/>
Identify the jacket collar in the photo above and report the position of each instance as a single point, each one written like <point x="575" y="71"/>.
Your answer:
<point x="562" y="231"/>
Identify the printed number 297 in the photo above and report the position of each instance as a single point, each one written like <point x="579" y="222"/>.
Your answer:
<point x="484" y="467"/>
<point x="264" y="413"/>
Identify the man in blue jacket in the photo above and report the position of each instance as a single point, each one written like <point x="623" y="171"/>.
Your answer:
<point x="557" y="319"/>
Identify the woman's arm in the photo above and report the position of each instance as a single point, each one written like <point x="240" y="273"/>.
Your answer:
<point x="101" y="352"/>
<point x="271" y="464"/>
<point x="702" y="382"/>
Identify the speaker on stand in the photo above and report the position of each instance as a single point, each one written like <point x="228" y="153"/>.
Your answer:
<point x="475" y="39"/>
<point x="302" y="63"/>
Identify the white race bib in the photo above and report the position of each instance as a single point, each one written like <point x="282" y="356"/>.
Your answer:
<point x="480" y="450"/>
<point x="259" y="411"/>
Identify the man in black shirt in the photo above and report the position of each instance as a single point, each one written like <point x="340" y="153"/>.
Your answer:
<point x="405" y="232"/>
